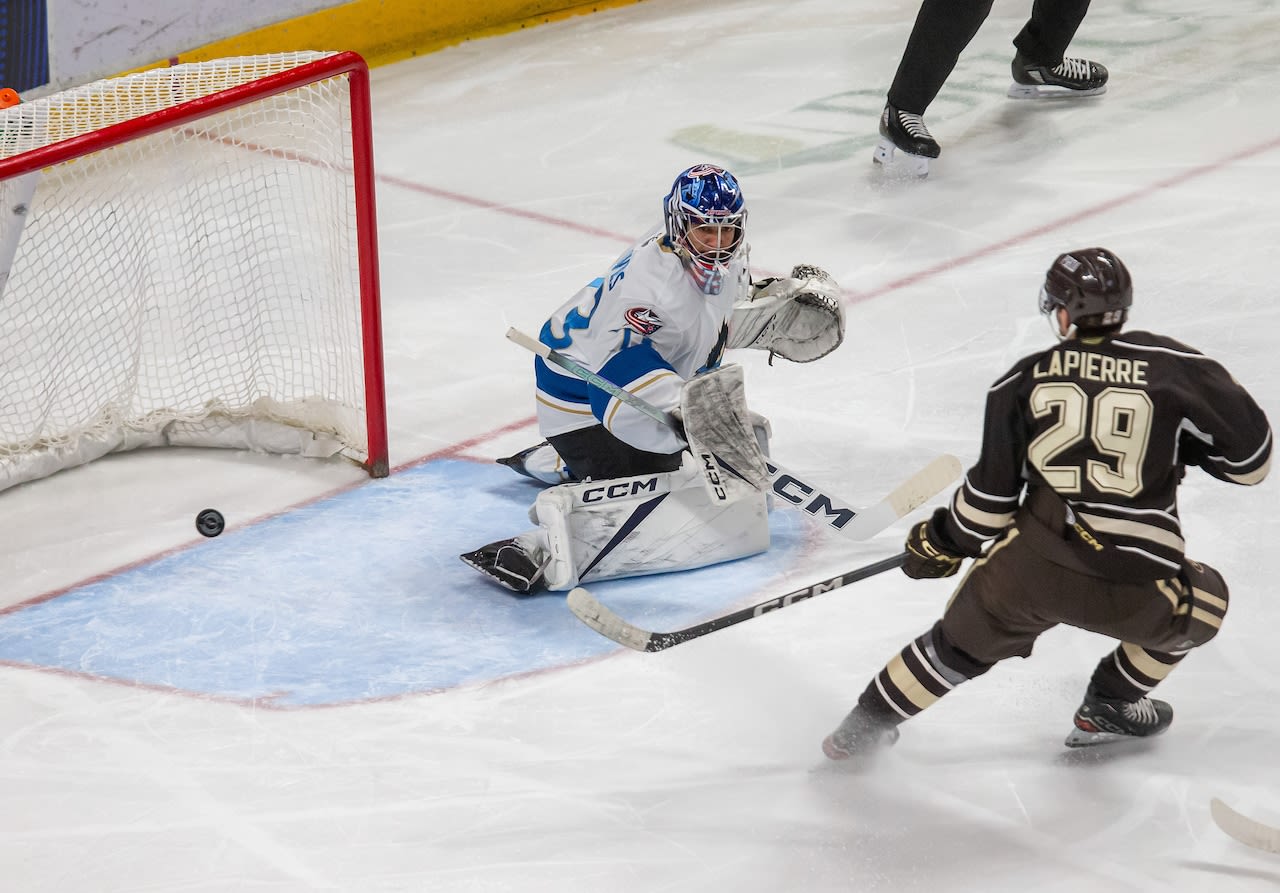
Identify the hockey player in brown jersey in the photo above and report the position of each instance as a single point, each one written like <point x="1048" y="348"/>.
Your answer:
<point x="1071" y="516"/>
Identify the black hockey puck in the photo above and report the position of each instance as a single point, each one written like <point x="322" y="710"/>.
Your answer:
<point x="210" y="522"/>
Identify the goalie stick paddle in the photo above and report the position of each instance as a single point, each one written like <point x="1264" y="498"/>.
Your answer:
<point x="1248" y="831"/>
<point x="788" y="487"/>
<point x="588" y="609"/>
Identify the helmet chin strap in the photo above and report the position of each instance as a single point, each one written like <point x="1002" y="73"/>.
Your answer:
<point x="1055" y="318"/>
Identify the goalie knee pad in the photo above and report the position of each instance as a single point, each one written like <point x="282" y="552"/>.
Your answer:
<point x="648" y="524"/>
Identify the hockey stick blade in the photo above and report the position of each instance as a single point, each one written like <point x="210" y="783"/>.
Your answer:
<point x="587" y="608"/>
<point x="1248" y="831"/>
<point x="789" y="487"/>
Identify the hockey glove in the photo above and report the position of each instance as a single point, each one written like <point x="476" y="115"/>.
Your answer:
<point x="925" y="560"/>
<point x="799" y="318"/>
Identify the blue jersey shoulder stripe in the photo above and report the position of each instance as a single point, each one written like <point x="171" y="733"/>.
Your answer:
<point x="558" y="385"/>
<point x="624" y="367"/>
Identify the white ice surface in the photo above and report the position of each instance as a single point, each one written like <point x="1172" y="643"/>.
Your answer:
<point x="511" y="171"/>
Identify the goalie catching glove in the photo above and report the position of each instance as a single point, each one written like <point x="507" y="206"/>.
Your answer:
<point x="927" y="555"/>
<point x="799" y="318"/>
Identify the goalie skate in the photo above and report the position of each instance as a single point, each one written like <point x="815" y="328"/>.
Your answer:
<point x="540" y="462"/>
<point x="508" y="564"/>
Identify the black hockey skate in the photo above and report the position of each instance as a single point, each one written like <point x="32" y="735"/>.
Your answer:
<point x="506" y="563"/>
<point x="1101" y="720"/>
<point x="905" y="132"/>
<point x="1074" y="77"/>
<point x="859" y="737"/>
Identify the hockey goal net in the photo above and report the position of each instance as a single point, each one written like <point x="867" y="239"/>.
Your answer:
<point x="188" y="257"/>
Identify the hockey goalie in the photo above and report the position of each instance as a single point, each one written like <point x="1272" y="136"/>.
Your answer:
<point x="632" y="494"/>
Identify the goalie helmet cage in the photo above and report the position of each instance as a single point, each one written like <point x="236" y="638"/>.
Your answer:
<point x="188" y="257"/>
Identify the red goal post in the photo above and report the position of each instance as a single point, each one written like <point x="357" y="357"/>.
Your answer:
<point x="188" y="256"/>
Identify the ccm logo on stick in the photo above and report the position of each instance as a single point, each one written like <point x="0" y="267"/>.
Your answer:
<point x="797" y="492"/>
<point x="816" y="589"/>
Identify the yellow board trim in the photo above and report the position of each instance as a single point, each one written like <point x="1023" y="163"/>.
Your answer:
<point x="385" y="31"/>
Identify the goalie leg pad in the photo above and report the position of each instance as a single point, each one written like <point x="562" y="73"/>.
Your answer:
<point x="649" y="524"/>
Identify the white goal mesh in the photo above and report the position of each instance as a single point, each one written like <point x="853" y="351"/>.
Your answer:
<point x="188" y="257"/>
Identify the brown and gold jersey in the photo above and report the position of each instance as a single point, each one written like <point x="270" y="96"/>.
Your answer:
<point x="1108" y="425"/>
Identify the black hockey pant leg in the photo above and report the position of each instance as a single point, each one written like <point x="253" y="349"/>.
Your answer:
<point x="942" y="30"/>
<point x="596" y="454"/>
<point x="1200" y="598"/>
<point x="1050" y="29"/>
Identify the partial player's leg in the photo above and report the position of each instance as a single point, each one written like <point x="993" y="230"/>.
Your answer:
<point x="942" y="30"/>
<point x="590" y="452"/>
<point x="1040" y="68"/>
<point x="975" y="633"/>
<point x="928" y="668"/>
<point x="593" y="453"/>
<point x="1159" y="624"/>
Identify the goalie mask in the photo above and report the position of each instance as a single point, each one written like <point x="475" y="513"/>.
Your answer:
<point x="1092" y="285"/>
<point x="705" y="217"/>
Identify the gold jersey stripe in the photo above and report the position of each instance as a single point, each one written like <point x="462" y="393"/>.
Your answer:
<point x="996" y="520"/>
<point x="572" y="408"/>
<point x="1136" y="529"/>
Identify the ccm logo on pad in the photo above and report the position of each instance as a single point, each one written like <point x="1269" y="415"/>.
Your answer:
<point x="620" y="490"/>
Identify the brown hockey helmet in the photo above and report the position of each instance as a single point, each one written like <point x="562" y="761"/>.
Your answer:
<point x="1092" y="284"/>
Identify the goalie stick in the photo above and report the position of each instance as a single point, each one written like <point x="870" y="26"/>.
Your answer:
<point x="789" y="487"/>
<point x="1248" y="831"/>
<point x="588" y="609"/>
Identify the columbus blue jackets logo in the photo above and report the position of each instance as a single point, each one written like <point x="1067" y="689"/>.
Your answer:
<point x="643" y="320"/>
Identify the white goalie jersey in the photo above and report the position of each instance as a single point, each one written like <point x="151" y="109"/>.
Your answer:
<point x="649" y="326"/>
<point x="646" y="326"/>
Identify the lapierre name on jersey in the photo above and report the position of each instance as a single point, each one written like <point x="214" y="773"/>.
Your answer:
<point x="1102" y="428"/>
<point x="1092" y="367"/>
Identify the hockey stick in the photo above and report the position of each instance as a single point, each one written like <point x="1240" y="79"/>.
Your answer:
<point x="787" y="486"/>
<point x="1248" y="831"/>
<point x="588" y="609"/>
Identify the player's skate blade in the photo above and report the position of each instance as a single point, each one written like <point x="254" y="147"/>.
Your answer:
<point x="1041" y="91"/>
<point x="905" y="133"/>
<point x="897" y="162"/>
